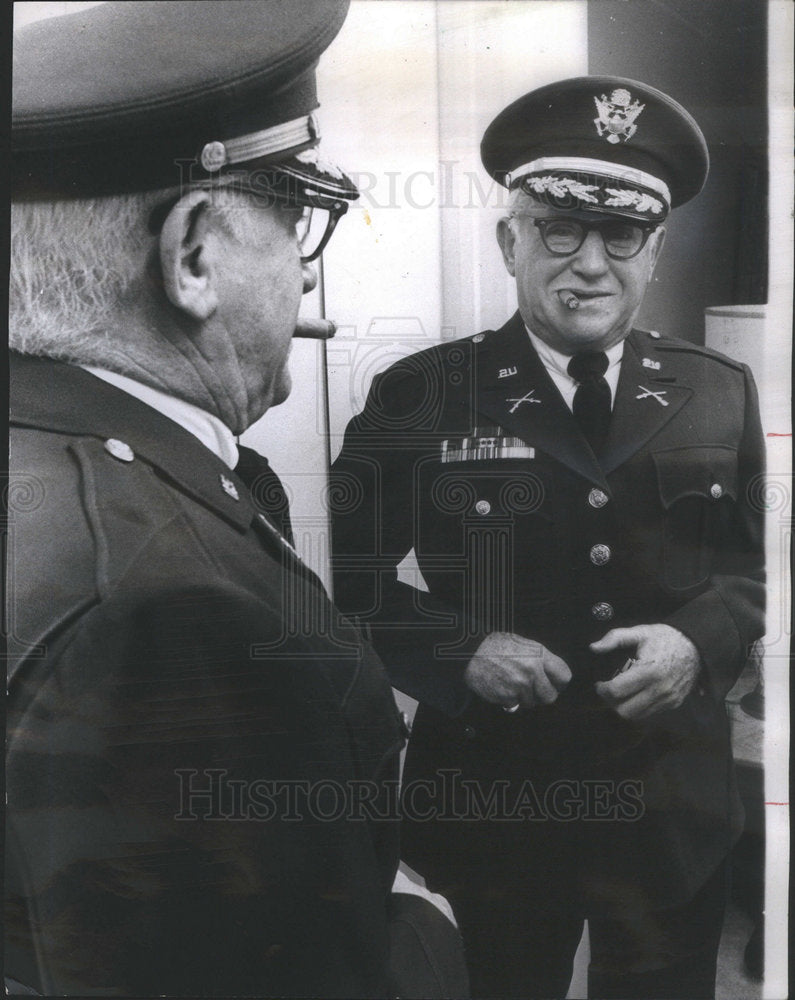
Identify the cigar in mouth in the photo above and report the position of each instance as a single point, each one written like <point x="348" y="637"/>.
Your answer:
<point x="315" y="329"/>
<point x="569" y="300"/>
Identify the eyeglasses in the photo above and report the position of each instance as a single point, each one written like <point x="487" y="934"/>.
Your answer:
<point x="313" y="229"/>
<point x="563" y="237"/>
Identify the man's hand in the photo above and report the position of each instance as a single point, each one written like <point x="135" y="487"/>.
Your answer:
<point x="510" y="670"/>
<point x="664" y="670"/>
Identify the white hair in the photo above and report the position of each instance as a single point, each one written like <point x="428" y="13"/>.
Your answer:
<point x="74" y="261"/>
<point x="518" y="199"/>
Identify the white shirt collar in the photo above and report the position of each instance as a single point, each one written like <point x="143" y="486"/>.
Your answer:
<point x="557" y="365"/>
<point x="209" y="429"/>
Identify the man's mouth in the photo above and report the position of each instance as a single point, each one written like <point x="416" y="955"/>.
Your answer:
<point x="573" y="298"/>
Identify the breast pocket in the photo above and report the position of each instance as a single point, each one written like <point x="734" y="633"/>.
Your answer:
<point x="698" y="490"/>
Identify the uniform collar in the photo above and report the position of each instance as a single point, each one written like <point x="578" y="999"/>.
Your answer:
<point x="557" y="365"/>
<point x="555" y="361"/>
<point x="66" y="399"/>
<point x="209" y="429"/>
<point x="517" y="392"/>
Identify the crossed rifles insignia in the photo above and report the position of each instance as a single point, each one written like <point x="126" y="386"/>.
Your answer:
<point x="648" y="392"/>
<point x="517" y="402"/>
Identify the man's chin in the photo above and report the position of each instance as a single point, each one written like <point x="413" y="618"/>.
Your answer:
<point x="282" y="388"/>
<point x="593" y="332"/>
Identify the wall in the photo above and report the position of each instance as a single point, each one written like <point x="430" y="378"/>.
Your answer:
<point x="711" y="56"/>
<point x="406" y="91"/>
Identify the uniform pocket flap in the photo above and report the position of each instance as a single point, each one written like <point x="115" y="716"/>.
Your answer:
<point x="705" y="470"/>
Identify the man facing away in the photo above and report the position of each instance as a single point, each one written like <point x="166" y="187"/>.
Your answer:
<point x="190" y="728"/>
<point x="578" y="495"/>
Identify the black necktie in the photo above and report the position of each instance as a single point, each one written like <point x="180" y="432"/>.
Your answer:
<point x="266" y="489"/>
<point x="592" y="399"/>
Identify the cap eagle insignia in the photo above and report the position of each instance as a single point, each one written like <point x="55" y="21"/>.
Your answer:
<point x="617" y="115"/>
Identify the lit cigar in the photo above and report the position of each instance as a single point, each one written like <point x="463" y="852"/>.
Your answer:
<point x="569" y="299"/>
<point x="315" y="329"/>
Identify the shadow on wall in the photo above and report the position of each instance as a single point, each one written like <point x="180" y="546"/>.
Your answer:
<point x="712" y="57"/>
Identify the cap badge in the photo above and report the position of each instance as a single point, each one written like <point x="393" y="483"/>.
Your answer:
<point x="527" y="398"/>
<point x="213" y="156"/>
<point x="617" y="115"/>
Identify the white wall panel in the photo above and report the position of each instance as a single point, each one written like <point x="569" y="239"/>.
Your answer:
<point x="406" y="91"/>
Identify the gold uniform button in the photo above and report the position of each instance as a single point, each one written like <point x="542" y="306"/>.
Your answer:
<point x="602" y="611"/>
<point x="483" y="507"/>
<point x="119" y="449"/>
<point x="716" y="491"/>
<point x="597" y="499"/>
<point x="600" y="554"/>
<point x="654" y="334"/>
<point x="213" y="156"/>
<point x="478" y="338"/>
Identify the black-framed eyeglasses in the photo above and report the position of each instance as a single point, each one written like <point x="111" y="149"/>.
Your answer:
<point x="313" y="228"/>
<point x="562" y="237"/>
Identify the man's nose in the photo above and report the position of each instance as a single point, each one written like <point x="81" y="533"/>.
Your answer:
<point x="310" y="277"/>
<point x="592" y="257"/>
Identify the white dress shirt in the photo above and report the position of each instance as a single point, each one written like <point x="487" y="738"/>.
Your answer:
<point x="556" y="364"/>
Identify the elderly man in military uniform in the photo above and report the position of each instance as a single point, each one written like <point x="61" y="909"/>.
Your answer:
<point x="180" y="691"/>
<point x="578" y="496"/>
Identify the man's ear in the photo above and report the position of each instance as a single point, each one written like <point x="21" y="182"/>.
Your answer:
<point x="507" y="240"/>
<point x="656" y="248"/>
<point x="187" y="265"/>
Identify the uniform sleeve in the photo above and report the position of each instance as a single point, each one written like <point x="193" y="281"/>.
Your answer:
<point x="175" y="765"/>
<point x="729" y="616"/>
<point x="374" y="507"/>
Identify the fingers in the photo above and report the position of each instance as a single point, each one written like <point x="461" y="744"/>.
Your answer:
<point x="650" y="687"/>
<point x="545" y="692"/>
<point x="508" y="669"/>
<point x="628" y="683"/>
<point x="638" y="706"/>
<point x="618" y="638"/>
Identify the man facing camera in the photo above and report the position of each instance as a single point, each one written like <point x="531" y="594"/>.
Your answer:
<point x="200" y="756"/>
<point x="578" y="496"/>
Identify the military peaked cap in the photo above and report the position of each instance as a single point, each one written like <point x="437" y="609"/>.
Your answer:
<point x="599" y="144"/>
<point x="137" y="96"/>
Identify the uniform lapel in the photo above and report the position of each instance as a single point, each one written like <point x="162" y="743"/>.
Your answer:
<point x="528" y="403"/>
<point x="646" y="399"/>
<point x="65" y="398"/>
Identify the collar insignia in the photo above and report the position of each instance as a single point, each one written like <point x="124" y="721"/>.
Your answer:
<point x="617" y="114"/>
<point x="527" y="398"/>
<point x="648" y="363"/>
<point x="657" y="395"/>
<point x="229" y="487"/>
